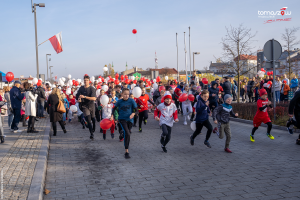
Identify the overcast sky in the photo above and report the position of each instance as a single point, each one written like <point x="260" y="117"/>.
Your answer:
<point x="97" y="32"/>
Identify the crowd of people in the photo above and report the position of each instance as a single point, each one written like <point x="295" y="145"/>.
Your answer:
<point x="123" y="109"/>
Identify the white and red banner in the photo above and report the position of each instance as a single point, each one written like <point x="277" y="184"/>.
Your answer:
<point x="56" y="42"/>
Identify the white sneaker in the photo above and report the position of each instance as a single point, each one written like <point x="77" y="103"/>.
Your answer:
<point x="184" y="123"/>
<point x="18" y="131"/>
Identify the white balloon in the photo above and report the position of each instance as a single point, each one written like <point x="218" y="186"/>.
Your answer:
<point x="92" y="79"/>
<point x="137" y="92"/>
<point x="74" y="93"/>
<point x="34" y="81"/>
<point x="105" y="88"/>
<point x="155" y="86"/>
<point x="99" y="80"/>
<point x="105" y="69"/>
<point x="166" y="78"/>
<point x="73" y="108"/>
<point x="79" y="80"/>
<point x="104" y="100"/>
<point x="132" y="86"/>
<point x="193" y="125"/>
<point x="97" y="92"/>
<point x="68" y="91"/>
<point x="63" y="79"/>
<point x="154" y="81"/>
<point x="40" y="79"/>
<point x="69" y="76"/>
<point x="70" y="82"/>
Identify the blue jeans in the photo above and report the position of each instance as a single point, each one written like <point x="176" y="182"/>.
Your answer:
<point x="10" y="119"/>
<point x="16" y="120"/>
<point x="64" y="117"/>
<point x="277" y="96"/>
<point x="41" y="108"/>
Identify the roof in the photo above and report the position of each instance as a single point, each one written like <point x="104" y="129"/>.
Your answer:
<point x="217" y="64"/>
<point x="165" y="70"/>
<point x="143" y="73"/>
<point x="246" y="57"/>
<point x="285" y="54"/>
<point x="295" y="58"/>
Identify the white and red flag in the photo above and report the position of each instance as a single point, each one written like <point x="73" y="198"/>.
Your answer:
<point x="56" y="42"/>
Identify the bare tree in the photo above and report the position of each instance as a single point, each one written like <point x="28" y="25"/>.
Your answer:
<point x="236" y="42"/>
<point x="290" y="39"/>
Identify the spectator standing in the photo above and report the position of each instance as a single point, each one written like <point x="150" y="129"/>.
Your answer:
<point x="194" y="78"/>
<point x="16" y="97"/>
<point x="294" y="84"/>
<point x="41" y="101"/>
<point x="30" y="107"/>
<point x="286" y="79"/>
<point x="10" y="113"/>
<point x="278" y="84"/>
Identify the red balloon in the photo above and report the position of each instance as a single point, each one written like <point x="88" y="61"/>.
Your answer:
<point x="204" y="81"/>
<point x="191" y="97"/>
<point x="161" y="88"/>
<point x="268" y="73"/>
<point x="126" y="77"/>
<point x="117" y="81"/>
<point x="9" y="76"/>
<point x="98" y="87"/>
<point x="109" y="76"/>
<point x="111" y="80"/>
<point x="162" y="99"/>
<point x="134" y="81"/>
<point x="122" y="77"/>
<point x="105" y="124"/>
<point x="183" y="97"/>
<point x="176" y="81"/>
<point x="76" y="83"/>
<point x="147" y="80"/>
<point x="39" y="83"/>
<point x="134" y="31"/>
<point x="157" y="79"/>
<point x="117" y="76"/>
<point x="100" y="77"/>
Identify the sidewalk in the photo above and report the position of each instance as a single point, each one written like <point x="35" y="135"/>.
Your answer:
<point x="18" y="157"/>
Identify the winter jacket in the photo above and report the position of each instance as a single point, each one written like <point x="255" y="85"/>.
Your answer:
<point x="41" y="94"/>
<point x="250" y="87"/>
<point x="287" y="80"/>
<point x="202" y="111"/>
<point x="227" y="87"/>
<point x="30" y="105"/>
<point x="106" y="111"/>
<point x="156" y="94"/>
<point x="212" y="91"/>
<point x="194" y="79"/>
<point x="16" y="97"/>
<point x="222" y="113"/>
<point x="285" y="89"/>
<point x="295" y="103"/>
<point x="7" y="98"/>
<point x="294" y="83"/>
<point x="158" y="100"/>
<point x="167" y="114"/>
<point x="278" y="85"/>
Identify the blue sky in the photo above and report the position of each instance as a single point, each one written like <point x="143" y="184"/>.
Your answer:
<point x="96" y="33"/>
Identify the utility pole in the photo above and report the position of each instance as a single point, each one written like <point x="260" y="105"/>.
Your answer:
<point x="47" y="64"/>
<point x="186" y="75"/>
<point x="190" y="50"/>
<point x="177" y="57"/>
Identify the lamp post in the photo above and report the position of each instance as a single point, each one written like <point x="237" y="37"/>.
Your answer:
<point x="47" y="64"/>
<point x="50" y="73"/>
<point x="194" y="59"/>
<point x="33" y="9"/>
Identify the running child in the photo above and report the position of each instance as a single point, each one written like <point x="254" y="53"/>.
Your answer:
<point x="221" y="116"/>
<point x="142" y="103"/>
<point x="261" y="115"/>
<point x="187" y="105"/>
<point x="106" y="113"/>
<point x="127" y="109"/>
<point x="202" y="113"/>
<point x="167" y="115"/>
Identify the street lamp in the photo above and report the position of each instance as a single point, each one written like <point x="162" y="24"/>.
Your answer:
<point x="33" y="9"/>
<point x="50" y="73"/>
<point x="194" y="59"/>
<point x="47" y="64"/>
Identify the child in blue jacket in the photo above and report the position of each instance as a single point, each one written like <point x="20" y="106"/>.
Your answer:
<point x="203" y="112"/>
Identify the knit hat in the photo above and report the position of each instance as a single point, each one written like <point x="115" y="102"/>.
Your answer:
<point x="17" y="82"/>
<point x="167" y="95"/>
<point x="227" y="96"/>
<point x="262" y="92"/>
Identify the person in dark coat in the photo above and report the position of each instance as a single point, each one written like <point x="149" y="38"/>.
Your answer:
<point x="16" y="97"/>
<point x="55" y="116"/>
<point x="250" y="89"/>
<point x="213" y="95"/>
<point x="41" y="101"/>
<point x="226" y="86"/>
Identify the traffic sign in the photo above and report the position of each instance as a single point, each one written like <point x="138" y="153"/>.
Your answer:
<point x="269" y="65"/>
<point x="269" y="48"/>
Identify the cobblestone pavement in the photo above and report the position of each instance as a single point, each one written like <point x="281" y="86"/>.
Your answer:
<point x="79" y="168"/>
<point x="19" y="161"/>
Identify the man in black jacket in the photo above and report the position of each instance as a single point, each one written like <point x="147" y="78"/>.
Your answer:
<point x="41" y="101"/>
<point x="294" y="108"/>
<point x="226" y="86"/>
<point x="16" y="97"/>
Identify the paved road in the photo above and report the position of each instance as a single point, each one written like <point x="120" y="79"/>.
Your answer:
<point x="79" y="168"/>
<point x="18" y="157"/>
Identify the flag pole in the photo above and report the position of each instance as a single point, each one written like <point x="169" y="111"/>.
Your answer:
<point x="43" y="42"/>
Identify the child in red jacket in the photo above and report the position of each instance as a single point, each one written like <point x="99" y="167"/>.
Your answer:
<point x="261" y="115"/>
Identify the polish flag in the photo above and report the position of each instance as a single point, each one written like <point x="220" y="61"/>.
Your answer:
<point x="56" y="42"/>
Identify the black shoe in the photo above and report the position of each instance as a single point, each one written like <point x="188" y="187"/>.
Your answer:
<point x="33" y="131"/>
<point x="54" y="134"/>
<point x="127" y="156"/>
<point x="164" y="149"/>
<point x="206" y="143"/>
<point x="298" y="141"/>
<point x="83" y="127"/>
<point x="140" y="129"/>
<point x="93" y="130"/>
<point x="24" y="125"/>
<point x="65" y="131"/>
<point x="2" y="139"/>
<point x="162" y="140"/>
<point x="112" y="136"/>
<point x="145" y="121"/>
<point x="36" y="119"/>
<point x="104" y="136"/>
<point x="28" y="130"/>
<point x="92" y="137"/>
<point x="192" y="140"/>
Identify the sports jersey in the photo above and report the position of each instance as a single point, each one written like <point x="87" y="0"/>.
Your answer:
<point x="142" y="102"/>
<point x="261" y="115"/>
<point x="167" y="114"/>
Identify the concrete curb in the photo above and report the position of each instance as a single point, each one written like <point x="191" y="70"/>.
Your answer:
<point x="38" y="180"/>
<point x="263" y="125"/>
